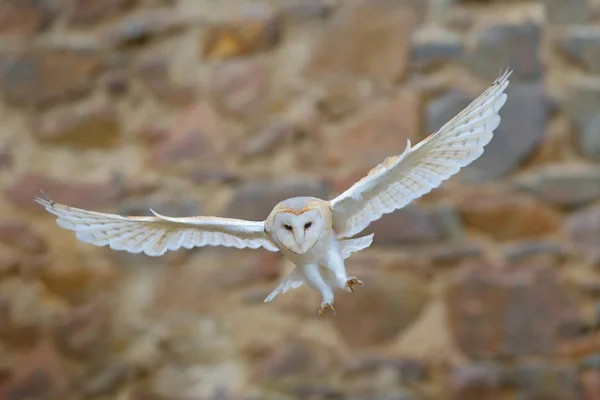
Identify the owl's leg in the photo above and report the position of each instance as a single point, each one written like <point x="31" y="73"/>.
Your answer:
<point x="335" y="264"/>
<point x="315" y="281"/>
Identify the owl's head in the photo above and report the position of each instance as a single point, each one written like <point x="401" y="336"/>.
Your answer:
<point x="297" y="223"/>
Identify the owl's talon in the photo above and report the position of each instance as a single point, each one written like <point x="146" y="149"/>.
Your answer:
<point x="325" y="307"/>
<point x="353" y="281"/>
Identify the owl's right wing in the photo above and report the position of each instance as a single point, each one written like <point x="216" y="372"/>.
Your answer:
<point x="155" y="235"/>
<point x="403" y="178"/>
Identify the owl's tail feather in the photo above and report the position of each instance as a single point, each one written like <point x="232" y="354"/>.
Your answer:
<point x="349" y="246"/>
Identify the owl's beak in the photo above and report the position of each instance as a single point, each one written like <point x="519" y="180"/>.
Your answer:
<point x="300" y="247"/>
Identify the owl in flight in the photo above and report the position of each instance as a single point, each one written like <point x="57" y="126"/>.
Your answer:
<point x="315" y="234"/>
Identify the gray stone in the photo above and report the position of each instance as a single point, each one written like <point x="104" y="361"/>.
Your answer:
<point x="429" y="53"/>
<point x="583" y="229"/>
<point x="299" y="10"/>
<point x="582" y="106"/>
<point x="255" y="200"/>
<point x="591" y="362"/>
<point x="507" y="46"/>
<point x="551" y="382"/>
<point x="475" y="381"/>
<point x="365" y="39"/>
<point x="409" y="369"/>
<point x="386" y="306"/>
<point x="449" y="221"/>
<point x="453" y="253"/>
<point x="582" y="45"/>
<point x="521" y="250"/>
<point x="490" y="310"/>
<point x="444" y="107"/>
<point x="524" y="119"/>
<point x="31" y="76"/>
<point x="562" y="185"/>
<point x="567" y="12"/>
<point x="411" y="224"/>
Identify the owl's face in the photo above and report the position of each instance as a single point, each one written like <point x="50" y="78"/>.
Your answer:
<point x="298" y="232"/>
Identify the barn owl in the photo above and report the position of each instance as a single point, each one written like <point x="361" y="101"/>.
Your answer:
<point x="316" y="235"/>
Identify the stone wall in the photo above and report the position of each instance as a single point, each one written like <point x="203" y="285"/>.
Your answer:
<point x="486" y="288"/>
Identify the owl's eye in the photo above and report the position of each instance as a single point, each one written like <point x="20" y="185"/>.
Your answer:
<point x="289" y="228"/>
<point x="307" y="225"/>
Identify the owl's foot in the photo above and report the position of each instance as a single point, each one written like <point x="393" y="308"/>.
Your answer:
<point x="353" y="281"/>
<point x="325" y="307"/>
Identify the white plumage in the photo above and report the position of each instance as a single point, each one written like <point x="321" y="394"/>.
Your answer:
<point x="310" y="232"/>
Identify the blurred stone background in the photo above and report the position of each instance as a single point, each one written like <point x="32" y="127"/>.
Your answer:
<point x="487" y="288"/>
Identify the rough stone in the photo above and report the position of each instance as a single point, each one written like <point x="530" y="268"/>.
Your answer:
<point x="380" y="36"/>
<point x="543" y="381"/>
<point x="245" y="36"/>
<point x="378" y="312"/>
<point x="432" y="52"/>
<point x="39" y="373"/>
<point x="37" y="77"/>
<point x="267" y="139"/>
<point x="75" y="278"/>
<point x="240" y="87"/>
<point x="573" y="12"/>
<point x="196" y="137"/>
<point x="582" y="105"/>
<point x="85" y="331"/>
<point x="23" y="251"/>
<point x="107" y="380"/>
<point x="532" y="248"/>
<point x="6" y="158"/>
<point x="25" y="311"/>
<point x="90" y="123"/>
<point x="9" y="263"/>
<point x="24" y="17"/>
<point x="86" y="12"/>
<point x="354" y="147"/>
<point x="155" y="74"/>
<point x="20" y="236"/>
<point x="142" y="26"/>
<point x="300" y="10"/>
<point x="252" y="267"/>
<point x="443" y="108"/>
<point x="583" y="228"/>
<point x="562" y="185"/>
<point x="293" y="358"/>
<point x="591" y="362"/>
<point x="410" y="224"/>
<point x="476" y="381"/>
<point x="591" y="384"/>
<point x="255" y="200"/>
<point x="454" y="253"/>
<point x="490" y="309"/>
<point x="76" y="194"/>
<point x="506" y="215"/>
<point x="525" y="117"/>
<point x="582" y="45"/>
<point x="341" y="98"/>
<point x="507" y="46"/>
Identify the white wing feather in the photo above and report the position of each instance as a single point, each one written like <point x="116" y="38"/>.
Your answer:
<point x="401" y="179"/>
<point x="156" y="235"/>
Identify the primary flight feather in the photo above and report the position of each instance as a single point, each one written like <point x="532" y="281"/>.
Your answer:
<point x="314" y="234"/>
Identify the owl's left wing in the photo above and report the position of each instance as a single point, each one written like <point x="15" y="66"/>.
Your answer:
<point x="401" y="179"/>
<point x="156" y="235"/>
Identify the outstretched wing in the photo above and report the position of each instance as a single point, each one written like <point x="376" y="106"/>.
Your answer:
<point x="401" y="179"/>
<point x="155" y="235"/>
